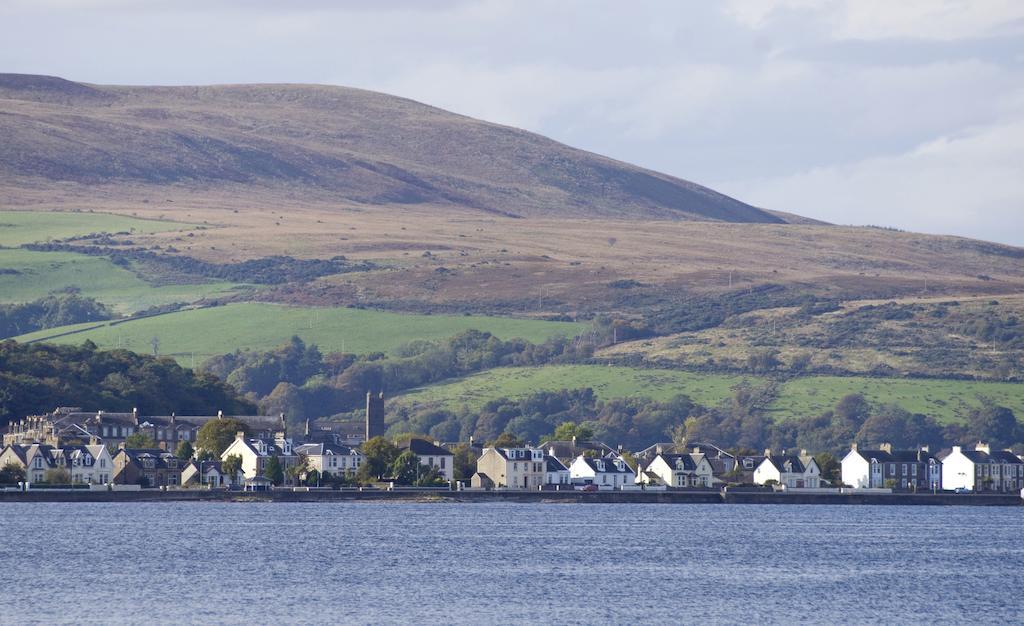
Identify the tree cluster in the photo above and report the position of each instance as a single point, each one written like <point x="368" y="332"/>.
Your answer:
<point x="49" y="312"/>
<point x="36" y="378"/>
<point x="271" y="270"/>
<point x="299" y="381"/>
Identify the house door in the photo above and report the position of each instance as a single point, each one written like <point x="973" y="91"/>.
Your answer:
<point x="526" y="482"/>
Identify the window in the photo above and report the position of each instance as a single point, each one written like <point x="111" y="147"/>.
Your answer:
<point x="904" y="468"/>
<point x="441" y="462"/>
<point x="892" y="469"/>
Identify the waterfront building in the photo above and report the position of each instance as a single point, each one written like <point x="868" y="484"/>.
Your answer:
<point x="917" y="470"/>
<point x="982" y="469"/>
<point x="794" y="471"/>
<point x="209" y="473"/>
<point x="256" y="451"/>
<point x="34" y="459"/>
<point x="512" y="468"/>
<point x="555" y="472"/>
<point x="679" y="470"/>
<point x="333" y="459"/>
<point x="608" y="472"/>
<point x="149" y="467"/>
<point x="431" y="455"/>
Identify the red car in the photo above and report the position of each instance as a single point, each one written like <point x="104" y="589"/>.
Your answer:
<point x="589" y="488"/>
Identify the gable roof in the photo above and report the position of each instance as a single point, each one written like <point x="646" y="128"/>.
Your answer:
<point x="798" y="464"/>
<point x="320" y="449"/>
<point x="552" y="464"/>
<point x="610" y="466"/>
<point x="422" y="447"/>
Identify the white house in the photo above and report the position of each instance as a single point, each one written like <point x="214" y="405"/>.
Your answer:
<point x="255" y="452"/>
<point x="609" y="472"/>
<point x="432" y="455"/>
<point x="982" y="469"/>
<point x="795" y="472"/>
<point x="884" y="467"/>
<point x="35" y="459"/>
<point x="679" y="470"/>
<point x="89" y="464"/>
<point x="331" y="458"/>
<point x="555" y="472"/>
<point x="212" y="474"/>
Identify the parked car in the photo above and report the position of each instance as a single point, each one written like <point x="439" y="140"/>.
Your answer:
<point x="589" y="488"/>
<point x="962" y="490"/>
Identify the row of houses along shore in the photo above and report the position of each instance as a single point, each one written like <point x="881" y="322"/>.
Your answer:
<point x="89" y="448"/>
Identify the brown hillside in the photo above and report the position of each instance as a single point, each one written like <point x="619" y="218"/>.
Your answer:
<point x="335" y="144"/>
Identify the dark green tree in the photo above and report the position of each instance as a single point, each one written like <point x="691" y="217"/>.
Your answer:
<point x="272" y="470"/>
<point x="996" y="425"/>
<point x="830" y="468"/>
<point x="139" y="440"/>
<point x="313" y="478"/>
<point x="184" y="451"/>
<point x="379" y="455"/>
<point x="12" y="473"/>
<point x="231" y="465"/>
<point x="216" y="435"/>
<point x="464" y="463"/>
<point x="507" y="440"/>
<point x="406" y="468"/>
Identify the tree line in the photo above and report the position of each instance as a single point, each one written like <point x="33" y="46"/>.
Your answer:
<point x="298" y="380"/>
<point x="36" y="378"/>
<point x="49" y="312"/>
<point x="742" y="422"/>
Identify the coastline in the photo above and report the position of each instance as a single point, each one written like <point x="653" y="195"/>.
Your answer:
<point x="548" y="497"/>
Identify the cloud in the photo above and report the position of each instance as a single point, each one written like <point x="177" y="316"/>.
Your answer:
<point x="967" y="184"/>
<point x="749" y="96"/>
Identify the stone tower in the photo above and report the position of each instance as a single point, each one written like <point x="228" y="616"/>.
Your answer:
<point x="374" y="415"/>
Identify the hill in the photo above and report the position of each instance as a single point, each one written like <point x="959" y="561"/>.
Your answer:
<point x="318" y="142"/>
<point x="947" y="401"/>
<point x="197" y="334"/>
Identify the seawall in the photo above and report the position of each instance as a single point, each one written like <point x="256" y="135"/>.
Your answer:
<point x="568" y="497"/>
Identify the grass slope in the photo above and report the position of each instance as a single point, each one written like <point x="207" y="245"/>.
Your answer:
<point x="41" y="273"/>
<point x="946" y="400"/>
<point x="21" y="227"/>
<point x="208" y="332"/>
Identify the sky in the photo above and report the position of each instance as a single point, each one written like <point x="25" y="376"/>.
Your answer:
<point x="908" y="113"/>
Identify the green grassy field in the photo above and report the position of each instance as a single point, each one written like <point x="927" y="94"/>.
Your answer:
<point x="41" y="273"/>
<point x="945" y="400"/>
<point x="21" y="227"/>
<point x="257" y="326"/>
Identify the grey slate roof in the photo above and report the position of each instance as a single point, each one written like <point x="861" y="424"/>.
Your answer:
<point x="610" y="467"/>
<point x="552" y="464"/>
<point x="320" y="449"/>
<point x="422" y="447"/>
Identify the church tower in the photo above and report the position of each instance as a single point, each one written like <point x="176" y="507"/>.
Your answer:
<point x="374" y="415"/>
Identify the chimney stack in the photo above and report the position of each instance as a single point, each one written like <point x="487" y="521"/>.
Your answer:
<point x="885" y="447"/>
<point x="768" y="453"/>
<point x="981" y="446"/>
